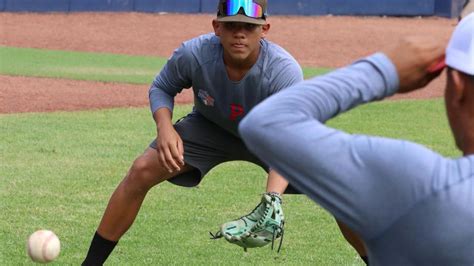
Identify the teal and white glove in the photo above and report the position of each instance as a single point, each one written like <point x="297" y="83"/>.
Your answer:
<point x="258" y="228"/>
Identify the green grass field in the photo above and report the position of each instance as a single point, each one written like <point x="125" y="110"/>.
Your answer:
<point x="89" y="66"/>
<point x="58" y="170"/>
<point x="79" y="65"/>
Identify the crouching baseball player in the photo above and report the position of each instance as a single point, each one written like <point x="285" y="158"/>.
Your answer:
<point x="230" y="71"/>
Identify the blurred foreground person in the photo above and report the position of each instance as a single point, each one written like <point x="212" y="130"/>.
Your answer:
<point x="409" y="204"/>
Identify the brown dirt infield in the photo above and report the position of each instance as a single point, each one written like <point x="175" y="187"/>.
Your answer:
<point x="314" y="41"/>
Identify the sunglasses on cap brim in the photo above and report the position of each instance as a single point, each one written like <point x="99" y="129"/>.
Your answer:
<point x="251" y="9"/>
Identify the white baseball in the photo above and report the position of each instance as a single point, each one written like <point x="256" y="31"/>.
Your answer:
<point x="43" y="246"/>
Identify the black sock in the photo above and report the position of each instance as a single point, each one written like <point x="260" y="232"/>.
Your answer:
<point x="99" y="251"/>
<point x="365" y="259"/>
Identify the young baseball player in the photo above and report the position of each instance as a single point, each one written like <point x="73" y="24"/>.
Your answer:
<point x="409" y="204"/>
<point x="230" y="71"/>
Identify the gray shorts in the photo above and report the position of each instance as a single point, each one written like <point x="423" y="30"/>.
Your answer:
<point x="207" y="145"/>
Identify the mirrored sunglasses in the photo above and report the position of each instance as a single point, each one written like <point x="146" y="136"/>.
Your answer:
<point x="251" y="9"/>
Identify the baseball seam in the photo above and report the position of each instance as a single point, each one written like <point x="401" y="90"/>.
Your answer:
<point x="44" y="248"/>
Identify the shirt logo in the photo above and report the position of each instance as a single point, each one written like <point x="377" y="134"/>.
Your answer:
<point x="236" y="110"/>
<point x="206" y="98"/>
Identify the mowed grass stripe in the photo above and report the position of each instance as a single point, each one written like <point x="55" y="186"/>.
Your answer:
<point x="79" y="65"/>
<point x="88" y="66"/>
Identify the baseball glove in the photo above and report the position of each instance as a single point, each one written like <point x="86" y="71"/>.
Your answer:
<point x="260" y="227"/>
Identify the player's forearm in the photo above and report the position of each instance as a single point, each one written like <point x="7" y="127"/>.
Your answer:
<point x="163" y="117"/>
<point x="324" y="97"/>
<point x="370" y="79"/>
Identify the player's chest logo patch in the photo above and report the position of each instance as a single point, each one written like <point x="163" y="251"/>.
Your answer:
<point x="236" y="111"/>
<point x="206" y="98"/>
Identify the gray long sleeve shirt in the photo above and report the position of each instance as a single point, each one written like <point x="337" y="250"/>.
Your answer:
<point x="410" y="205"/>
<point x="199" y="64"/>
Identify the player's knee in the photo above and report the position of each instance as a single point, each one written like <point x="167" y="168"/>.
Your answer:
<point x="142" y="175"/>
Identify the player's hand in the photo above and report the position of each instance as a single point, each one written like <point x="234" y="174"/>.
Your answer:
<point x="170" y="148"/>
<point x="416" y="60"/>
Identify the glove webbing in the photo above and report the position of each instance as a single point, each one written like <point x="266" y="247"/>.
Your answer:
<point x="218" y="234"/>
<point x="276" y="227"/>
<point x="277" y="230"/>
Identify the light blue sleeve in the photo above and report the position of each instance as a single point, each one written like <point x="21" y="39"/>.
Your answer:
<point x="175" y="75"/>
<point x="363" y="181"/>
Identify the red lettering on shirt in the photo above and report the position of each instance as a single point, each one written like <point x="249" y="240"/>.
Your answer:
<point x="236" y="110"/>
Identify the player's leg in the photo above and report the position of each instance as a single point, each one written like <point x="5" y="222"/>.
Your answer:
<point x="276" y="183"/>
<point x="145" y="173"/>
<point x="354" y="240"/>
<point x="124" y="204"/>
<point x="201" y="153"/>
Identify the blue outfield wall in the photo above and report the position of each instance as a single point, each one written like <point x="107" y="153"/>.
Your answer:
<point x="101" y="5"/>
<point x="355" y="7"/>
<point x="387" y="7"/>
<point x="210" y="6"/>
<point x="179" y="6"/>
<point x="445" y="8"/>
<point x="37" y="5"/>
